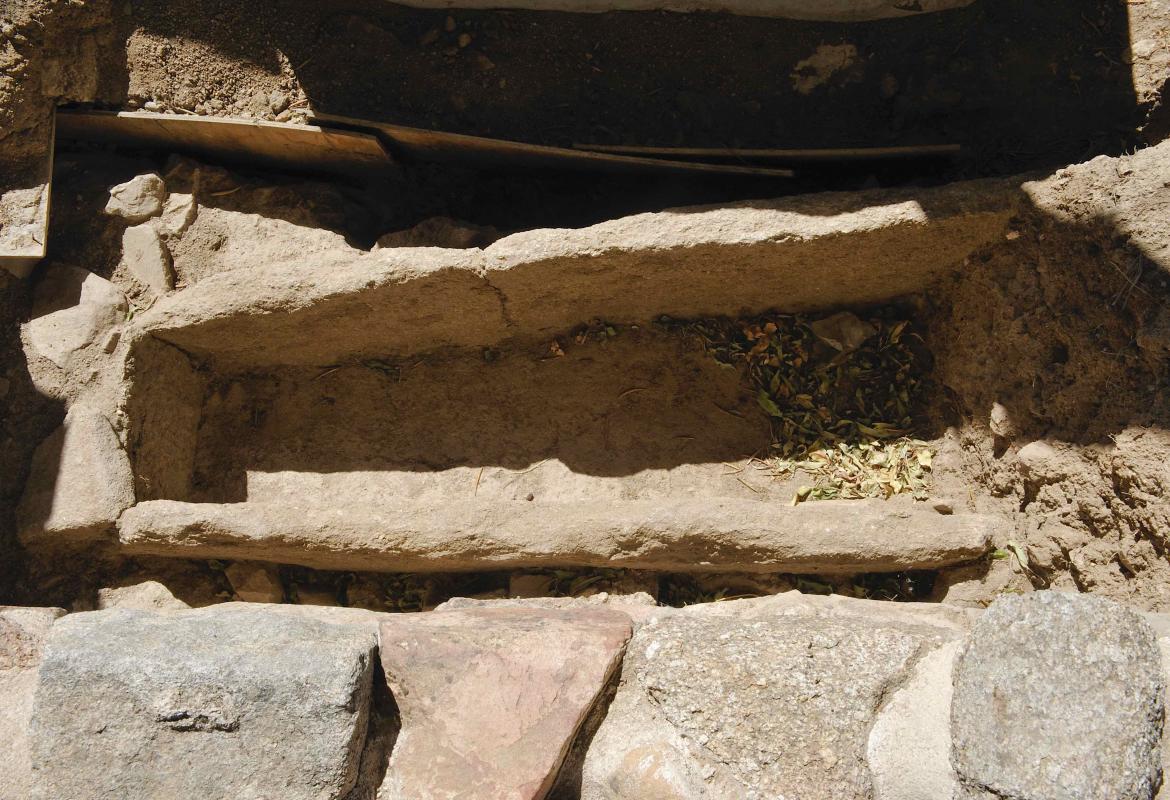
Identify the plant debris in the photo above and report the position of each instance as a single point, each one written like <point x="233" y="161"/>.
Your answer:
<point x="841" y="414"/>
<point x="864" y="469"/>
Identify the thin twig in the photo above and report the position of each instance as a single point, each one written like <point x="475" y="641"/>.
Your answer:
<point x="525" y="472"/>
<point x="748" y="485"/>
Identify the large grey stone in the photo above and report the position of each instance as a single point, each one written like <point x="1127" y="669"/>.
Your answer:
<point x="138" y="199"/>
<point x="229" y="702"/>
<point x="255" y="583"/>
<point x="1058" y="697"/>
<point x="753" y="702"/>
<point x="147" y="258"/>
<point x="145" y="596"/>
<point x="491" y="697"/>
<point x="22" y="636"/>
<point x="80" y="481"/>
<point x="75" y="311"/>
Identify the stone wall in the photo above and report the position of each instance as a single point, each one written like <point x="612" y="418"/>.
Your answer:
<point x="1042" y="696"/>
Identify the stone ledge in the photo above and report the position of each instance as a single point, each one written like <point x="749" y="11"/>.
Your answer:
<point x="708" y="535"/>
<point x="796" y="254"/>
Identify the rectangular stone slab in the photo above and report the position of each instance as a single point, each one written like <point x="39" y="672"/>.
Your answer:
<point x="796" y="254"/>
<point x="682" y="535"/>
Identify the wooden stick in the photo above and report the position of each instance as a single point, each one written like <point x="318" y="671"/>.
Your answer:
<point x="829" y="154"/>
<point x="429" y="145"/>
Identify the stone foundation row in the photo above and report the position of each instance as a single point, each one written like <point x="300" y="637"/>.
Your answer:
<point x="1042" y="696"/>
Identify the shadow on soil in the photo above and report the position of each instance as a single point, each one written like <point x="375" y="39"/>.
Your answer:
<point x="1019" y="86"/>
<point x="26" y="418"/>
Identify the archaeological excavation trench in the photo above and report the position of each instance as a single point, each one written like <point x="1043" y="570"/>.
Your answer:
<point x="602" y="401"/>
<point x="412" y="410"/>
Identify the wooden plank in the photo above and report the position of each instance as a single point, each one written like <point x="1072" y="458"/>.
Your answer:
<point x="24" y="205"/>
<point x="428" y="145"/>
<point x="810" y="10"/>
<point x="826" y="155"/>
<point x="273" y="144"/>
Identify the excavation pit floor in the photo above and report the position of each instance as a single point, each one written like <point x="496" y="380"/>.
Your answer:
<point x="643" y="415"/>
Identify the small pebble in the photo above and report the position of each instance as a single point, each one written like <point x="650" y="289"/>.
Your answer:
<point x="278" y="101"/>
<point x="152" y="105"/>
<point x="449" y="25"/>
<point x="530" y="498"/>
<point x="464" y="39"/>
<point x="284" y="116"/>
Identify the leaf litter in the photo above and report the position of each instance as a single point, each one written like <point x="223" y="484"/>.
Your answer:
<point x="841" y="408"/>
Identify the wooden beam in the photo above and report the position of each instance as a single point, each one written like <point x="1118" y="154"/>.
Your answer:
<point x="810" y="10"/>
<point x="271" y="144"/>
<point x="429" y="145"/>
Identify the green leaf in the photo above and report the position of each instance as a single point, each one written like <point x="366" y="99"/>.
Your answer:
<point x="768" y="404"/>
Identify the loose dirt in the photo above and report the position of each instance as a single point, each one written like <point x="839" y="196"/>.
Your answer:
<point x="659" y="78"/>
